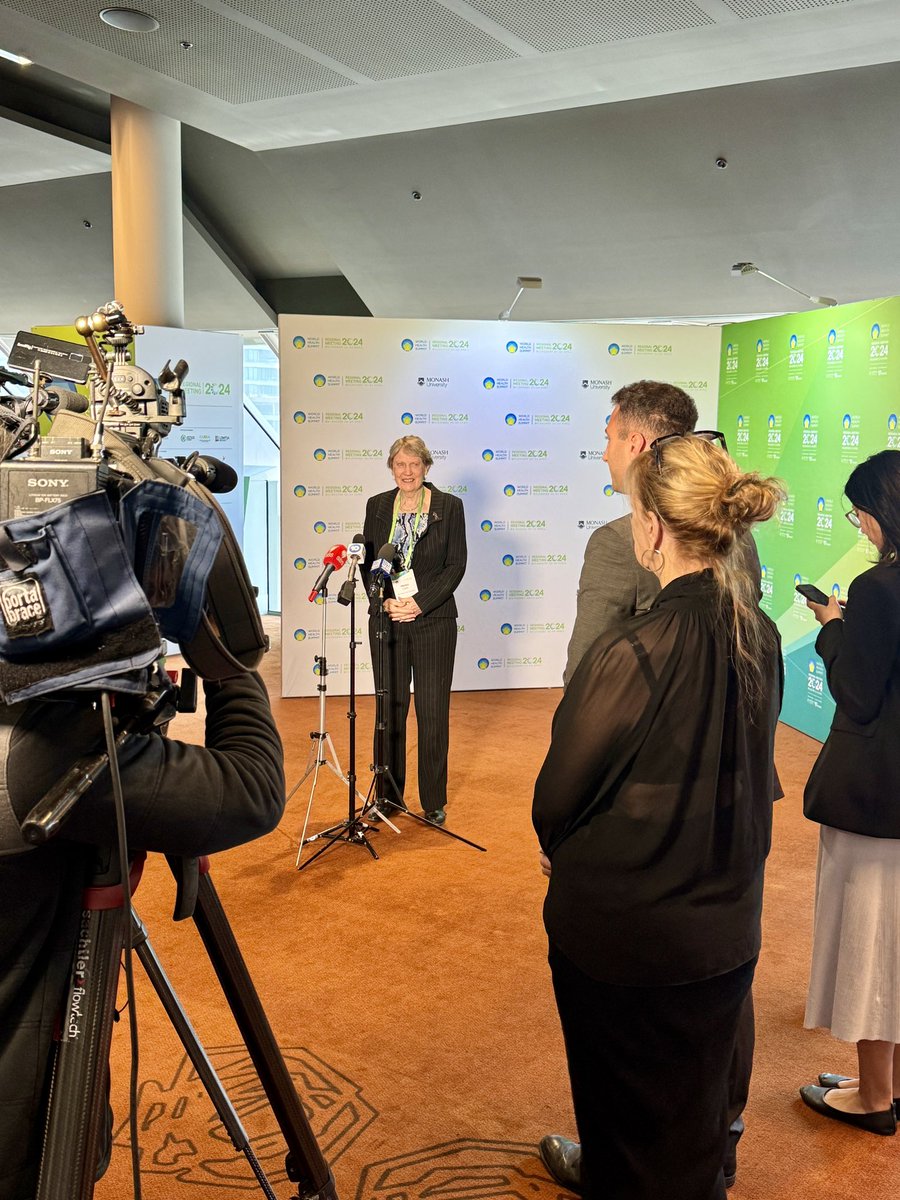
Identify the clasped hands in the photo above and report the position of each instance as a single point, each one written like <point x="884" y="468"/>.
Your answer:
<point x="402" y="610"/>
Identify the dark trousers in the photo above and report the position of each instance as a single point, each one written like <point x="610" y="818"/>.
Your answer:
<point x="649" y="1069"/>
<point x="739" y="1080"/>
<point x="422" y="651"/>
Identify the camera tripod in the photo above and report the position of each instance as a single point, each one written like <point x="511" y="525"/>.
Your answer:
<point x="76" y="1114"/>
<point x="77" y="1105"/>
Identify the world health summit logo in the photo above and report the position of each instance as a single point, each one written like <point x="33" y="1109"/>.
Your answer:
<point x="832" y="336"/>
<point x="483" y="664"/>
<point x="299" y="564"/>
<point x="299" y="491"/>
<point x="319" y="527"/>
<point x="608" y="490"/>
<point x="300" y="417"/>
<point x="892" y="423"/>
<point x="319" y="454"/>
<point x="771" y="420"/>
<point x="793" y="341"/>
<point x="319" y="380"/>
<point x="406" y="345"/>
<point x="406" y="418"/>
<point x="507" y="560"/>
<point x="506" y="629"/>
<point x="487" y="526"/>
<point x="484" y="595"/>
<point x="512" y="347"/>
<point x="613" y="349"/>
<point x="509" y="489"/>
<point x="846" y="420"/>
<point x="488" y="383"/>
<point x="299" y="342"/>
<point x="875" y="332"/>
<point x="299" y="635"/>
<point x="820" y="504"/>
<point x="759" y="345"/>
<point x="807" y="420"/>
<point x="510" y="418"/>
<point x="487" y="455"/>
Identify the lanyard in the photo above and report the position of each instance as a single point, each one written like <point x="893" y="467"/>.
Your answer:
<point x="415" y="532"/>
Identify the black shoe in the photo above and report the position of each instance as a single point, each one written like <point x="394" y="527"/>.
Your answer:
<point x="562" y="1158"/>
<point x="875" y="1122"/>
<point x="437" y="816"/>
<point x="828" y="1080"/>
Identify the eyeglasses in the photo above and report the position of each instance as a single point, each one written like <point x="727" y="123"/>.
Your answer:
<point x="708" y="435"/>
<point x="853" y="517"/>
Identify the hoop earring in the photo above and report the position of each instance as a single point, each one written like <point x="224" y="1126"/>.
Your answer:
<point x="653" y="567"/>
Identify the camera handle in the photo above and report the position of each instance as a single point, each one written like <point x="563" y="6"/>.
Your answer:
<point x="77" y="1107"/>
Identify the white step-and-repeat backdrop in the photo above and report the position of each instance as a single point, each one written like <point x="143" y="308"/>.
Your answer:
<point x="514" y="415"/>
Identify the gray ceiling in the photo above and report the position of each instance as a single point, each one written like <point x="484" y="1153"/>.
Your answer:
<point x="571" y="139"/>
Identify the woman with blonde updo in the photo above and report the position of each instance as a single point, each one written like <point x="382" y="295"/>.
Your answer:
<point x="653" y="809"/>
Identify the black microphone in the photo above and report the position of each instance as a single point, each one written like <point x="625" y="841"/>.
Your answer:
<point x="355" y="551"/>
<point x="214" y="474"/>
<point x="382" y="566"/>
<point x="64" y="400"/>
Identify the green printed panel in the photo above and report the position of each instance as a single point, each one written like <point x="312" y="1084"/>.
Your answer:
<point x="806" y="397"/>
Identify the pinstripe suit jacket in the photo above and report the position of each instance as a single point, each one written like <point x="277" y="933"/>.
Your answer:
<point x="439" y="557"/>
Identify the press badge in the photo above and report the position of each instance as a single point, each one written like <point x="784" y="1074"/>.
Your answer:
<point x="404" y="584"/>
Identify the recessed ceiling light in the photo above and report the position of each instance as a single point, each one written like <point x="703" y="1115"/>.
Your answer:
<point x="16" y="58"/>
<point x="129" y="19"/>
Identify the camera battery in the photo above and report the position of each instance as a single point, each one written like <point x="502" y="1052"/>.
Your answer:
<point x="32" y="485"/>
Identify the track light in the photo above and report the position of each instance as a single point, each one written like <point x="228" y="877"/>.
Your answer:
<point x="523" y="282"/>
<point x="748" y="268"/>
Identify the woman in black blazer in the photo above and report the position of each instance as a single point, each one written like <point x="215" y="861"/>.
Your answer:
<point x="418" y="624"/>
<point x="853" y="793"/>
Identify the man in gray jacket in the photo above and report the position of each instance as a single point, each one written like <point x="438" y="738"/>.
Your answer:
<point x="613" y="587"/>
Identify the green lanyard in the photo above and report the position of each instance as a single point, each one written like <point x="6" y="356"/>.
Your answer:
<point x="415" y="532"/>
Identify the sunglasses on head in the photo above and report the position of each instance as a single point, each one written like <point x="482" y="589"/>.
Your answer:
<point x="708" y="435"/>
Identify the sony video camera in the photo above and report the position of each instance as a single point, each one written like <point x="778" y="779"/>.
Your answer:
<point x="105" y="548"/>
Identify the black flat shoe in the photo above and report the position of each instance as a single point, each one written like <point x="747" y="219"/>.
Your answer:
<point x="437" y="816"/>
<point x="828" y="1080"/>
<point x="875" y="1122"/>
<point x="562" y="1158"/>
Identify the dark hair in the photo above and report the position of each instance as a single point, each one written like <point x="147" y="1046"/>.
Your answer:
<point x="655" y="408"/>
<point x="874" y="486"/>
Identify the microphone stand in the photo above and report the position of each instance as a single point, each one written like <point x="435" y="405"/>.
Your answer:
<point x="354" y="828"/>
<point x="377" y="802"/>
<point x="320" y="737"/>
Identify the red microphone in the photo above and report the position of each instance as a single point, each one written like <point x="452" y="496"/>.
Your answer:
<point x="333" y="560"/>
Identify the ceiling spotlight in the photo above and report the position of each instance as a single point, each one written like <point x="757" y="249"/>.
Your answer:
<point x="129" y="19"/>
<point x="522" y="282"/>
<point x="87" y="224"/>
<point x="721" y="163"/>
<point x="749" y="268"/>
<point x="19" y="59"/>
<point x="186" y="45"/>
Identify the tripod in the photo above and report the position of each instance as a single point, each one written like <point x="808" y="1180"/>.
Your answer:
<point x="353" y="829"/>
<point x="320" y="737"/>
<point x="76" y="1112"/>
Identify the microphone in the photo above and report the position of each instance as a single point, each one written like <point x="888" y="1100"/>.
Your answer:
<point x="381" y="567"/>
<point x="333" y="560"/>
<point x="355" y="551"/>
<point x="64" y="400"/>
<point x="214" y="474"/>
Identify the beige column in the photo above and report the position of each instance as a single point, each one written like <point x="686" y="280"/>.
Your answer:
<point x="148" y="239"/>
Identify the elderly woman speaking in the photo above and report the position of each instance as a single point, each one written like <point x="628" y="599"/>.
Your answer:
<point x="427" y="528"/>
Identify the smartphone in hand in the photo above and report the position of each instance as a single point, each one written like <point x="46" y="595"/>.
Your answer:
<point x="809" y="591"/>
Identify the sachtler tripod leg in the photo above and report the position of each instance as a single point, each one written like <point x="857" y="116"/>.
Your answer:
<point x="305" y="1164"/>
<point x="77" y="1112"/>
<point x="204" y="1068"/>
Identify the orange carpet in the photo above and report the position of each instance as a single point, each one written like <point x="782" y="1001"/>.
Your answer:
<point x="412" y="999"/>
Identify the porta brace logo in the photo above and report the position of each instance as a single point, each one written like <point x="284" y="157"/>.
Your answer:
<point x="24" y="608"/>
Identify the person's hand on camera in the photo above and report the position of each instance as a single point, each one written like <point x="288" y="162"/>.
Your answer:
<point x="826" y="612"/>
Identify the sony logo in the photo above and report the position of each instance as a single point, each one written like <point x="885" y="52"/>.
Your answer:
<point x="48" y="483"/>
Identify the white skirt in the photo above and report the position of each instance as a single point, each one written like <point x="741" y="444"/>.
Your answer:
<point x="854" y="982"/>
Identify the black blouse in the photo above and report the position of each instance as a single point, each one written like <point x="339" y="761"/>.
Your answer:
<point x="654" y="802"/>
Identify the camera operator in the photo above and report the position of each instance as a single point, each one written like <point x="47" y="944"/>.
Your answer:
<point x="180" y="799"/>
